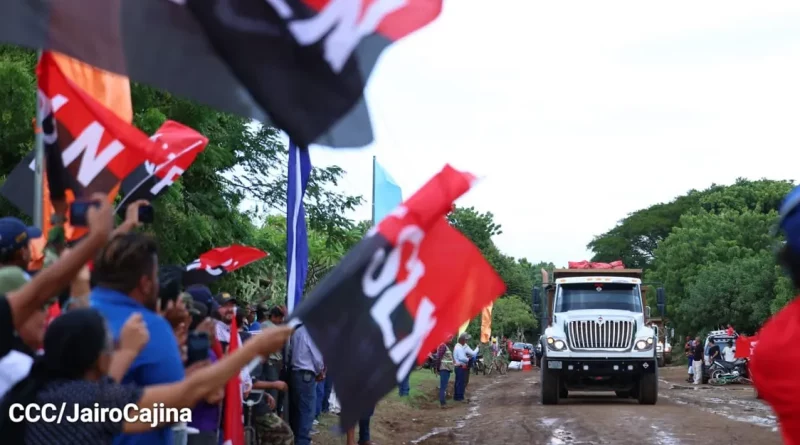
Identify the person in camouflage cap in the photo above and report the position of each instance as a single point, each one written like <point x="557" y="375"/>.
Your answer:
<point x="272" y="430"/>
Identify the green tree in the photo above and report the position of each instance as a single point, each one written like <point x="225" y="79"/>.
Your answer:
<point x="736" y="291"/>
<point x="716" y="260"/>
<point x="512" y="315"/>
<point x="478" y="227"/>
<point x="636" y="237"/>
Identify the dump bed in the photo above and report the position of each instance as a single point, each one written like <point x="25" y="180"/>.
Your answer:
<point x="570" y="273"/>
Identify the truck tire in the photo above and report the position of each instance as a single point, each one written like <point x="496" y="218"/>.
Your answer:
<point x="563" y="393"/>
<point x="661" y="362"/>
<point x="668" y="359"/>
<point x="550" y="385"/>
<point x="648" y="389"/>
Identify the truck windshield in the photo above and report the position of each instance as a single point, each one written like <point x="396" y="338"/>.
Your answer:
<point x="619" y="296"/>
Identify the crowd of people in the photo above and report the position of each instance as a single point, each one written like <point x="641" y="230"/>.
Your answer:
<point x="702" y="355"/>
<point x="128" y="334"/>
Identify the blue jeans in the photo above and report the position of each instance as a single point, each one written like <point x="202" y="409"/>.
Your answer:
<point x="444" y="379"/>
<point x="320" y="390"/>
<point x="405" y="386"/>
<point x="304" y="400"/>
<point x="363" y="427"/>
<point x="326" y="400"/>
<point x="461" y="383"/>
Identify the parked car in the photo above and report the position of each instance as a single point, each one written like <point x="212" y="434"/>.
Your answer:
<point x="518" y="350"/>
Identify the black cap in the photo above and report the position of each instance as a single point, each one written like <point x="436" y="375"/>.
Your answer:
<point x="224" y="298"/>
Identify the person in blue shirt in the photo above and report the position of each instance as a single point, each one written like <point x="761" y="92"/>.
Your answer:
<point x="261" y="316"/>
<point x="126" y="277"/>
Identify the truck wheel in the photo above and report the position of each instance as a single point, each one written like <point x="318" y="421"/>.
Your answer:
<point x="668" y="359"/>
<point x="648" y="389"/>
<point x="550" y="385"/>
<point x="661" y="362"/>
<point x="563" y="393"/>
<point x="623" y="394"/>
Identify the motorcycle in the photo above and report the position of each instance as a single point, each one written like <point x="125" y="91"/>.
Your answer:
<point x="721" y="372"/>
<point x="478" y="365"/>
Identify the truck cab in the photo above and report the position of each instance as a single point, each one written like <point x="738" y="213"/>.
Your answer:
<point x="596" y="334"/>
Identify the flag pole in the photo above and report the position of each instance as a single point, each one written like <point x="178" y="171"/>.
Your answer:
<point x="38" y="174"/>
<point x="373" y="189"/>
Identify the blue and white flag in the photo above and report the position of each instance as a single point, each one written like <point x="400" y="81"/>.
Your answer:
<point x="296" y="234"/>
<point x="385" y="192"/>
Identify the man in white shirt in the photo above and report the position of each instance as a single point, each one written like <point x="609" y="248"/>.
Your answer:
<point x="728" y="353"/>
<point x="461" y="354"/>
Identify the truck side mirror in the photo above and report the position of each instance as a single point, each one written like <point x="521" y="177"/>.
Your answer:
<point x="661" y="301"/>
<point x="647" y="311"/>
<point x="537" y="300"/>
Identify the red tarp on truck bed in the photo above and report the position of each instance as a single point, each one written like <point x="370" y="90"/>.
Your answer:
<point x="588" y="265"/>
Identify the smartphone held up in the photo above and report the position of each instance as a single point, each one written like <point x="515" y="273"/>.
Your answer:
<point x="79" y="209"/>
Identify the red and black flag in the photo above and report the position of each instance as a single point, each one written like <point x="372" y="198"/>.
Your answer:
<point x="218" y="262"/>
<point x="300" y="65"/>
<point x="97" y="148"/>
<point x="181" y="145"/>
<point x="411" y="282"/>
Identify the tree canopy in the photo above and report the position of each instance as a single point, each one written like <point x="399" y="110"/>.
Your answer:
<point x="512" y="313"/>
<point x="713" y="251"/>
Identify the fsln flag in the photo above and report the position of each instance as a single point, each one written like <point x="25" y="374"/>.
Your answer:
<point x="97" y="148"/>
<point x="296" y="231"/>
<point x="114" y="93"/>
<point x="300" y="65"/>
<point x="411" y="282"/>
<point x="385" y="191"/>
<point x="219" y="261"/>
<point x="182" y="145"/>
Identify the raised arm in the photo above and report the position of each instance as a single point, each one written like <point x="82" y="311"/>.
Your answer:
<point x="50" y="281"/>
<point x="187" y="393"/>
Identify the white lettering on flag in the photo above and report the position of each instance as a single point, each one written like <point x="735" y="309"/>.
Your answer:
<point x="172" y="175"/>
<point x="88" y="143"/>
<point x="48" y="106"/>
<point x="338" y="23"/>
<point x="393" y="295"/>
<point x="407" y="349"/>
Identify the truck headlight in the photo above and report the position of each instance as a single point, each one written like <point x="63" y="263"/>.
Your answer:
<point x="643" y="344"/>
<point x="556" y="344"/>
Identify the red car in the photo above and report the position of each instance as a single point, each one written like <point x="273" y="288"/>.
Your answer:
<point x="517" y="351"/>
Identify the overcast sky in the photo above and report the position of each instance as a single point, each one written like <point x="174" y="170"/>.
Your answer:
<point x="578" y="113"/>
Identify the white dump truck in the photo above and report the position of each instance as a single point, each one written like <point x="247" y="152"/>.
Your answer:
<point x="596" y="334"/>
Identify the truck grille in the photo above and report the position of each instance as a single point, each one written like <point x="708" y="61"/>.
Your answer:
<point x="594" y="334"/>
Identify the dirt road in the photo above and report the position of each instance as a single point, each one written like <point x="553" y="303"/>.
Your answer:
<point x="506" y="410"/>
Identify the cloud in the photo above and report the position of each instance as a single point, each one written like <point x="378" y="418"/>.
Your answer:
<point x="579" y="114"/>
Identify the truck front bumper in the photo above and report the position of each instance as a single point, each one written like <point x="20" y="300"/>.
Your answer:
<point x="597" y="367"/>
